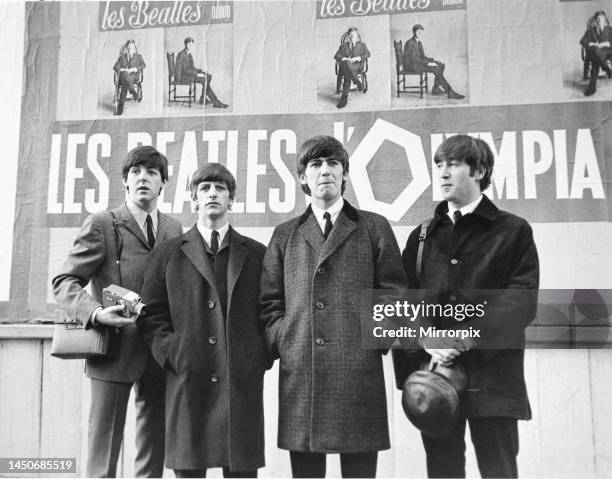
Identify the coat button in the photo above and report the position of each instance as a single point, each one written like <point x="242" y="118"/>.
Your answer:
<point x="321" y="269"/>
<point x="212" y="340"/>
<point x="211" y="304"/>
<point x="214" y="378"/>
<point x="454" y="261"/>
<point x="320" y="341"/>
<point x="320" y="305"/>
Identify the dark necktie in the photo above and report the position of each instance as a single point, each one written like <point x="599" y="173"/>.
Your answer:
<point x="328" y="224"/>
<point x="456" y="216"/>
<point x="150" y="234"/>
<point x="214" y="242"/>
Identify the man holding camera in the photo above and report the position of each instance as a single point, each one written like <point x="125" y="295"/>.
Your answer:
<point x="134" y="228"/>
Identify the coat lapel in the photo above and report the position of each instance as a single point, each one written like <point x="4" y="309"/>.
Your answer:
<point x="238" y="253"/>
<point x="343" y="227"/>
<point x="194" y="250"/>
<point x="127" y="220"/>
<point x="311" y="231"/>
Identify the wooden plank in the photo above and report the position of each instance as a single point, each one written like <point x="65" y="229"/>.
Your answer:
<point x="601" y="395"/>
<point x="26" y="331"/>
<point x="61" y="408"/>
<point x="20" y="397"/>
<point x="565" y="412"/>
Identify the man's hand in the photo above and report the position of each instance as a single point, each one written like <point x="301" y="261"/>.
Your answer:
<point x="111" y="316"/>
<point x="432" y="64"/>
<point x="445" y="357"/>
<point x="355" y="59"/>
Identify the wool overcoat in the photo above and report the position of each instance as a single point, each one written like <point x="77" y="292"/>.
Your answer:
<point x="214" y="367"/>
<point x="331" y="389"/>
<point x="490" y="252"/>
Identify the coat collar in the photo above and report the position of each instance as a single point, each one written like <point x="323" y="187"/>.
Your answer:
<point x="126" y="219"/>
<point x="345" y="224"/>
<point x="194" y="249"/>
<point x="485" y="209"/>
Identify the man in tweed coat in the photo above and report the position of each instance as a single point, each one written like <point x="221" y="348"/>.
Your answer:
<point x="316" y="268"/>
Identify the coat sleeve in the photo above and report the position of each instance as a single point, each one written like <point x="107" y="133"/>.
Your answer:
<point x="272" y="293"/>
<point x="86" y="257"/>
<point x="338" y="56"/>
<point x="118" y="64"/>
<point x="141" y="63"/>
<point x="365" y="53"/>
<point x="389" y="273"/>
<point x="413" y="56"/>
<point x="156" y="324"/>
<point x="586" y="39"/>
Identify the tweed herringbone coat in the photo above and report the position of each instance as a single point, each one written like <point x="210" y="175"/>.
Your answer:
<point x="331" y="391"/>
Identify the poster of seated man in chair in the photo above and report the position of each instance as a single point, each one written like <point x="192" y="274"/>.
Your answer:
<point x="429" y="53"/>
<point x="198" y="70"/>
<point x="351" y="62"/>
<point x="586" y="51"/>
<point x="114" y="59"/>
<point x="105" y="74"/>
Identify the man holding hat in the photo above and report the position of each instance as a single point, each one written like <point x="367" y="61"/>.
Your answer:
<point x="472" y="245"/>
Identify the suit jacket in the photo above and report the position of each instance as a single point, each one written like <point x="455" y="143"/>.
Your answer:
<point x="214" y="367"/>
<point x="92" y="260"/>
<point x="135" y="62"/>
<point x="359" y="50"/>
<point x="593" y="35"/>
<point x="184" y="69"/>
<point x="488" y="249"/>
<point x="414" y="56"/>
<point x="332" y="391"/>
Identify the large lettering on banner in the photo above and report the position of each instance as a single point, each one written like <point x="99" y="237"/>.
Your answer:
<point x="549" y="167"/>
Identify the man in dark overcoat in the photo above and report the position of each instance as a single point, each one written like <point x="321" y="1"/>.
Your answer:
<point x="93" y="259"/>
<point x="351" y="57"/>
<point x="201" y="294"/>
<point x="597" y="43"/>
<point x="472" y="245"/>
<point x="316" y="270"/>
<point x="185" y="71"/>
<point x="415" y="60"/>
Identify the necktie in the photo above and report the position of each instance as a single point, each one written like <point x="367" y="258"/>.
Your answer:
<point x="150" y="234"/>
<point x="328" y="224"/>
<point x="456" y="216"/>
<point x="214" y="242"/>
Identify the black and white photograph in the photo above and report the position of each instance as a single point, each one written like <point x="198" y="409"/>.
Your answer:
<point x="328" y="238"/>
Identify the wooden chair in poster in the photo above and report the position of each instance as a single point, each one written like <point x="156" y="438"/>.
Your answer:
<point x="401" y="73"/>
<point x="586" y="61"/>
<point x="363" y="77"/>
<point x="173" y="84"/>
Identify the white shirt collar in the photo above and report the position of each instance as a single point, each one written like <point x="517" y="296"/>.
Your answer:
<point x="140" y="216"/>
<point x="334" y="210"/>
<point x="206" y="232"/>
<point x="466" y="210"/>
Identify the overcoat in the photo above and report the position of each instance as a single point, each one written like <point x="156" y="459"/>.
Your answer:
<point x="414" y="56"/>
<point x="331" y="390"/>
<point x="93" y="260"/>
<point x="214" y="367"/>
<point x="185" y="70"/>
<point x="493" y="250"/>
